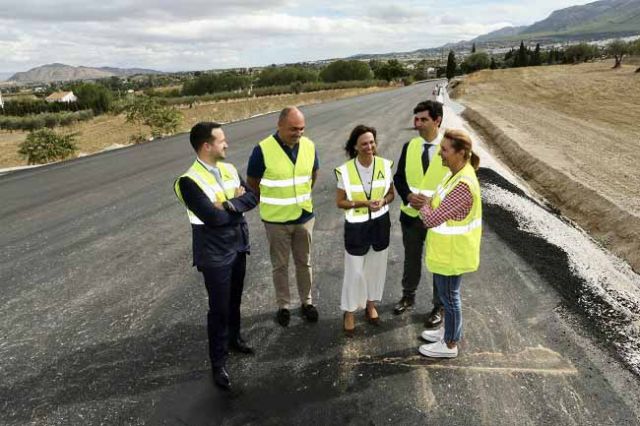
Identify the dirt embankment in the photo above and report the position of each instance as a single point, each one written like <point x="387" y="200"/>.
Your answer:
<point x="570" y="132"/>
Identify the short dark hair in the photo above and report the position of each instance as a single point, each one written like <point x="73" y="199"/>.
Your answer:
<point x="359" y="130"/>
<point x="201" y="133"/>
<point x="434" y="108"/>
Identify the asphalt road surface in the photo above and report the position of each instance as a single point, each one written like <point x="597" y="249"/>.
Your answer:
<point x="102" y="317"/>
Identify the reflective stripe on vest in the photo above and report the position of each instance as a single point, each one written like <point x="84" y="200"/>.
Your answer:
<point x="453" y="248"/>
<point x="285" y="188"/>
<point x="209" y="185"/>
<point x="354" y="189"/>
<point x="419" y="181"/>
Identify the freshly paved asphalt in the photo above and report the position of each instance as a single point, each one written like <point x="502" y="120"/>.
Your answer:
<point x="102" y="318"/>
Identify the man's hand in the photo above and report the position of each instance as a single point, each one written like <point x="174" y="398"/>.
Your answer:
<point x="417" y="201"/>
<point x="218" y="205"/>
<point x="239" y="192"/>
<point x="375" y="205"/>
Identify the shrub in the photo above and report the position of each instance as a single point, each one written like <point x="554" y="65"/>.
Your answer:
<point x="475" y="62"/>
<point x="345" y="71"/>
<point x="43" y="146"/>
<point x="39" y="121"/>
<point x="162" y="120"/>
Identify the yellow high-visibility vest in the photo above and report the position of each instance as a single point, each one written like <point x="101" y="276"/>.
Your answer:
<point x="285" y="188"/>
<point x="354" y="189"/>
<point x="209" y="185"/>
<point x="419" y="181"/>
<point x="453" y="248"/>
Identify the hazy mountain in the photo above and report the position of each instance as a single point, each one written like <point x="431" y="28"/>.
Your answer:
<point x="600" y="19"/>
<point x="61" y="72"/>
<point x="502" y="32"/>
<point x="605" y="16"/>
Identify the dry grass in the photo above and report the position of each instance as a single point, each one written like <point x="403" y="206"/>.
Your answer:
<point x="108" y="131"/>
<point x="582" y="119"/>
<point x="572" y="132"/>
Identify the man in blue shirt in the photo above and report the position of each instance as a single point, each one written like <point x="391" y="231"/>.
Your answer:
<point x="290" y="236"/>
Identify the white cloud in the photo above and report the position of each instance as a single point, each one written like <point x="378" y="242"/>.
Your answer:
<point x="203" y="34"/>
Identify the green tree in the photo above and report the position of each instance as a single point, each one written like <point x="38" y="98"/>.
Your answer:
<point x="391" y="70"/>
<point x="93" y="96"/>
<point x="212" y="83"/>
<point x="617" y="49"/>
<point x="522" y="57"/>
<point x="473" y="48"/>
<point x="345" y="71"/>
<point x="493" y="64"/>
<point x="580" y="52"/>
<point x="286" y="75"/>
<point x="451" y="65"/>
<point x="536" y="58"/>
<point x="144" y="110"/>
<point x="45" y="145"/>
<point x="475" y="62"/>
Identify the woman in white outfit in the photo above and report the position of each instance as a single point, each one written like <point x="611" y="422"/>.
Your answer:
<point x="365" y="189"/>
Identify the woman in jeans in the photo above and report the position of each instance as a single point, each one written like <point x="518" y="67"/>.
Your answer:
<point x="454" y="221"/>
<point x="365" y="188"/>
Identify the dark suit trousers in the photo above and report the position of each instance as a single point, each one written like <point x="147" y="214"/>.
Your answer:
<point x="413" y="239"/>
<point x="224" y="286"/>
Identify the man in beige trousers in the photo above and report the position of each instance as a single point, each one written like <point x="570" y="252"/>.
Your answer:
<point x="282" y="170"/>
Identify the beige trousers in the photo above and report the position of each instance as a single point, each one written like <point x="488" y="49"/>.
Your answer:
<point x="294" y="239"/>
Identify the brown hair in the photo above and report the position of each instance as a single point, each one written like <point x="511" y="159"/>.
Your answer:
<point x="359" y="130"/>
<point x="460" y="140"/>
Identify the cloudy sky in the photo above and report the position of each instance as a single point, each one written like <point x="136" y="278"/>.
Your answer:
<point x="171" y="35"/>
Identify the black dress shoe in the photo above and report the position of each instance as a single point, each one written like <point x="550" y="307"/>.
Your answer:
<point x="434" y="319"/>
<point x="403" y="305"/>
<point x="310" y="313"/>
<point x="239" y="345"/>
<point x="283" y="316"/>
<point x="221" y="378"/>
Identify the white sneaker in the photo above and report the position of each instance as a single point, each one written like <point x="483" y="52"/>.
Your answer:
<point x="433" y="335"/>
<point x="438" y="350"/>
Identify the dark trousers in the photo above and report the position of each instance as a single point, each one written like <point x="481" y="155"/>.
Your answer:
<point x="414" y="240"/>
<point x="224" y="286"/>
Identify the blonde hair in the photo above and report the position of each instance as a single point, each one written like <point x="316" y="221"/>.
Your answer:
<point x="460" y="140"/>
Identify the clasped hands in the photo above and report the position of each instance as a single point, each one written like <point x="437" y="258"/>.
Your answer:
<point x="418" y="201"/>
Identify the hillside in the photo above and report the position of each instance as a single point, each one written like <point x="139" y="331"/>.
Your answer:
<point x="567" y="131"/>
<point x="600" y="19"/>
<point x="61" y="72"/>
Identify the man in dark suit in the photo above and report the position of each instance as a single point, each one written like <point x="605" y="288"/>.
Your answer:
<point x="216" y="199"/>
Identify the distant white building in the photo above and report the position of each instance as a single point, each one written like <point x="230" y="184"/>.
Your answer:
<point x="61" y="97"/>
<point x="1" y="101"/>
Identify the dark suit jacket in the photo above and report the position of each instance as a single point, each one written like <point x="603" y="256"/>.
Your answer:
<point x="224" y="233"/>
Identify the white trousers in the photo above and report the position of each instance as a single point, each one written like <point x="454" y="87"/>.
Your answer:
<point x="364" y="278"/>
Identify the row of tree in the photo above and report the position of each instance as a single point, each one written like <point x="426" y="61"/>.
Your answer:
<point x="525" y="56"/>
<point x="91" y="96"/>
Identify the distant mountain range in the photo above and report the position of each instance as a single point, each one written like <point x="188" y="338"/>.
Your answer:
<point x="61" y="72"/>
<point x="605" y="17"/>
<point x="593" y="21"/>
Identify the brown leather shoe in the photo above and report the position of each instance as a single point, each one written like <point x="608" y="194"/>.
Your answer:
<point x="348" y="332"/>
<point x="370" y="320"/>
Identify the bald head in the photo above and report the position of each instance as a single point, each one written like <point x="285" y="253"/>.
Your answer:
<point x="291" y="125"/>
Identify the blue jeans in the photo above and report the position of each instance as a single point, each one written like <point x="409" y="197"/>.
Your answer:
<point x="449" y="291"/>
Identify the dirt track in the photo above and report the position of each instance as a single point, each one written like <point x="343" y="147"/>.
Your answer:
<point x="571" y="132"/>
